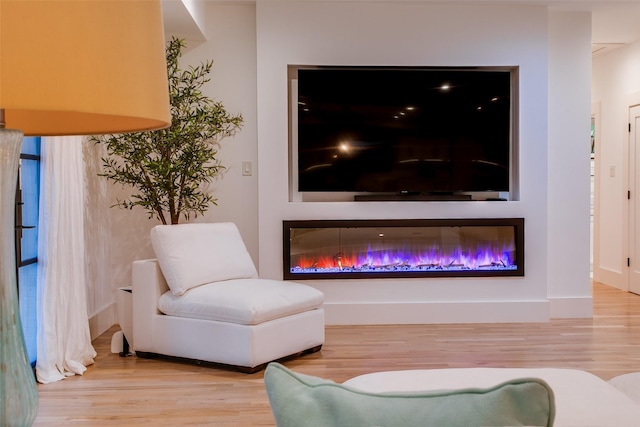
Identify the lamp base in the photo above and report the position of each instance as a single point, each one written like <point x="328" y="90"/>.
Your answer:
<point x="18" y="391"/>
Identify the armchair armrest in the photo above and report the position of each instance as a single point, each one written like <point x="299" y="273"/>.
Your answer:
<point x="148" y="284"/>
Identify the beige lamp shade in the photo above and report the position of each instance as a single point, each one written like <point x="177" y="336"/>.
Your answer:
<point x="77" y="67"/>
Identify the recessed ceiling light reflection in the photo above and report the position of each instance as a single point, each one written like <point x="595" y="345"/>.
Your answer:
<point x="319" y="166"/>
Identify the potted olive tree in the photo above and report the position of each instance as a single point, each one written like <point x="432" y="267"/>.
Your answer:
<point x="169" y="169"/>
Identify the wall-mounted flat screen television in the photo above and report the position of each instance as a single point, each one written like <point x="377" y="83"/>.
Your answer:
<point x="404" y="130"/>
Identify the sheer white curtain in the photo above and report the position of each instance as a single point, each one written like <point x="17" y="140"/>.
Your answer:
<point x="64" y="339"/>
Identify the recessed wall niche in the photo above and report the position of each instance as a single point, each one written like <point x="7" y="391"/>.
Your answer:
<point x="402" y="133"/>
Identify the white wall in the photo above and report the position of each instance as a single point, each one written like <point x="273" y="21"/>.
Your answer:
<point x="379" y="33"/>
<point x="231" y="44"/>
<point x="97" y="234"/>
<point x="231" y="34"/>
<point x="616" y="76"/>
<point x="568" y="177"/>
<point x="252" y="46"/>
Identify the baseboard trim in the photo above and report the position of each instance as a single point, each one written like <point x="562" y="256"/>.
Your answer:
<point x="571" y="307"/>
<point x="423" y="313"/>
<point x="437" y="312"/>
<point x="100" y="322"/>
<point x="610" y="277"/>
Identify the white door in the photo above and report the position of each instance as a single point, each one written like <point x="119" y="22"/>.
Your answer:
<point x="634" y="202"/>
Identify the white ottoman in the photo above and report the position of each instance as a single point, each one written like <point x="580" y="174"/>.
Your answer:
<point x="629" y="384"/>
<point x="582" y="399"/>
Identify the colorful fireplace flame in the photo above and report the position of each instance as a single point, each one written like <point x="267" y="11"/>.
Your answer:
<point x="475" y="247"/>
<point x="407" y="260"/>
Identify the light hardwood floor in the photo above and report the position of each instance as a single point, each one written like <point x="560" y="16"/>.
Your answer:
<point x="128" y="391"/>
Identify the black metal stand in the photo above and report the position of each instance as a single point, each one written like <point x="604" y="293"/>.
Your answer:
<point x="125" y="347"/>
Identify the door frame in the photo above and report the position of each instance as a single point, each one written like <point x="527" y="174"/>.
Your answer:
<point x="632" y="100"/>
<point x="633" y="203"/>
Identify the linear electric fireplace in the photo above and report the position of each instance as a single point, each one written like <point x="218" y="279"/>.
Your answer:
<point x="356" y="249"/>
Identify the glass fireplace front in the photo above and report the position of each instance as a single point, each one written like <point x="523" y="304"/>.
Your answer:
<point x="356" y="249"/>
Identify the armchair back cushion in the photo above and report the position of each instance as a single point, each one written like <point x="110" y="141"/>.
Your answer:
<point x="192" y="255"/>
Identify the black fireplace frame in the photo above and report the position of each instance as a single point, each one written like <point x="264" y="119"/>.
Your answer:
<point x="517" y="223"/>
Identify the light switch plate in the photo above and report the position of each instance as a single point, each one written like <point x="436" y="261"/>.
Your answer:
<point x="247" y="168"/>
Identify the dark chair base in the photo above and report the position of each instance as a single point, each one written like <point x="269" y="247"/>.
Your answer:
<point x="243" y="369"/>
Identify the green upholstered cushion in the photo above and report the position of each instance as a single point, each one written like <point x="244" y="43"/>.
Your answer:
<point x="299" y="400"/>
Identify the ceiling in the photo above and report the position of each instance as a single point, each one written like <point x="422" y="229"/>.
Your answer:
<point x="615" y="23"/>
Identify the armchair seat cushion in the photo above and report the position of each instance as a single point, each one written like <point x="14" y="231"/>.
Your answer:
<point x="242" y="301"/>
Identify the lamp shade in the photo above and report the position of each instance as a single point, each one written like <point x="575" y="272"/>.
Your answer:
<point x="83" y="67"/>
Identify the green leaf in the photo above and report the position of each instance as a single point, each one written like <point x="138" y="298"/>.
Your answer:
<point x="169" y="169"/>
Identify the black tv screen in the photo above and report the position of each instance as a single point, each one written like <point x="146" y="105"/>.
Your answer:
<point x="404" y="130"/>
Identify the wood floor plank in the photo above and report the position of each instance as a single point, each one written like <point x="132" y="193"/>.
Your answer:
<point x="118" y="391"/>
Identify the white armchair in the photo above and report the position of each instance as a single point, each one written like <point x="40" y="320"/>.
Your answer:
<point x="201" y="300"/>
